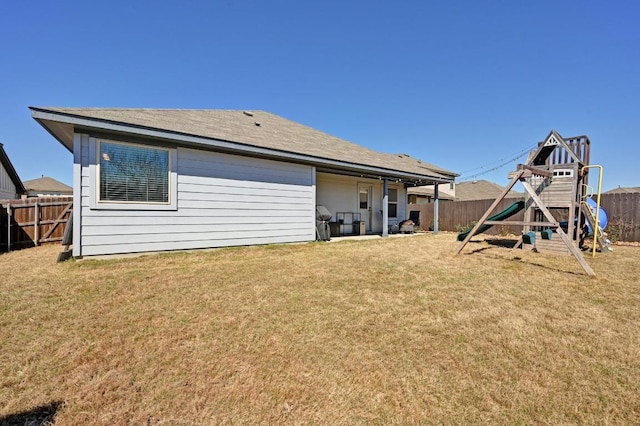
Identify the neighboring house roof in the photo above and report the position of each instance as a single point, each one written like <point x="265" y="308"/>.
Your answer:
<point x="623" y="190"/>
<point x="466" y="191"/>
<point x="47" y="185"/>
<point x="13" y="175"/>
<point x="424" y="191"/>
<point x="482" y="190"/>
<point x="258" y="133"/>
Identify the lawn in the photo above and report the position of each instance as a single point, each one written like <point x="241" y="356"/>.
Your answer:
<point x="386" y="331"/>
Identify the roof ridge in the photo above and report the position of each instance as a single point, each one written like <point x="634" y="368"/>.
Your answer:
<point x="71" y="108"/>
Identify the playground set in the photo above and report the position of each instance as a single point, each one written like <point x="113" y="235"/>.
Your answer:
<point x="559" y="209"/>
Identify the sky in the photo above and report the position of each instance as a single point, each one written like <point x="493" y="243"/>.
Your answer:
<point x="467" y="85"/>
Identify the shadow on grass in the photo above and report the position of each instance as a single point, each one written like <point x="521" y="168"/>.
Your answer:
<point x="564" y="271"/>
<point x="498" y="242"/>
<point x="39" y="416"/>
<point x="505" y="243"/>
<point x="480" y="250"/>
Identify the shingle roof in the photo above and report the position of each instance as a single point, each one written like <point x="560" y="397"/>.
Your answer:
<point x="13" y="175"/>
<point x="255" y="128"/>
<point x="47" y="184"/>
<point x="482" y="190"/>
<point x="467" y="191"/>
<point x="623" y="190"/>
<point x="427" y="191"/>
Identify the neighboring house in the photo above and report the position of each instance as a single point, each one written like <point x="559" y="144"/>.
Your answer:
<point x="11" y="186"/>
<point x="482" y="190"/>
<point x="151" y="180"/>
<point x="47" y="187"/>
<point x="426" y="194"/>
<point x="623" y="190"/>
<point x="462" y="191"/>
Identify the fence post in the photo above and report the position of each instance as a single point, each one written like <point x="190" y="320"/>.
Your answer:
<point x="436" y="209"/>
<point x="36" y="225"/>
<point x="8" y="227"/>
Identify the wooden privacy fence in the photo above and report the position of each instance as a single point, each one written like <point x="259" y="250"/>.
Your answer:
<point x="623" y="212"/>
<point x="33" y="221"/>
<point x="456" y="215"/>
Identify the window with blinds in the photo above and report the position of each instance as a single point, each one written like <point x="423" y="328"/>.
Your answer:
<point x="393" y="202"/>
<point x="133" y="173"/>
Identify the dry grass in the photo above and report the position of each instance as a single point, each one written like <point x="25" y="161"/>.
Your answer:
<point x="391" y="331"/>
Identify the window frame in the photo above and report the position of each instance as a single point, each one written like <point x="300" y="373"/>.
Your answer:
<point x="563" y="173"/>
<point x="98" y="204"/>
<point x="396" y="202"/>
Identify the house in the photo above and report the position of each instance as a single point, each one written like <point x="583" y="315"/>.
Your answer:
<point x="482" y="190"/>
<point x="11" y="186"/>
<point x="426" y="194"/>
<point x="47" y="187"/>
<point x="152" y="180"/>
<point x="460" y="191"/>
<point x="623" y="190"/>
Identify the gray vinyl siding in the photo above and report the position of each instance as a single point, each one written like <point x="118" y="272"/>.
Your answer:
<point x="222" y="200"/>
<point x="7" y="187"/>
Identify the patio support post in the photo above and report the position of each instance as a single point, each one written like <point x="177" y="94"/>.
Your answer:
<point x="436" y="209"/>
<point x="385" y="208"/>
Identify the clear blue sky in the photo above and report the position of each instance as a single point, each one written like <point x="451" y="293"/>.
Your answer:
<point x="461" y="84"/>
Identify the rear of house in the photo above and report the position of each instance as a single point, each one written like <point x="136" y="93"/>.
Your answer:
<point x="190" y="199"/>
<point x="153" y="180"/>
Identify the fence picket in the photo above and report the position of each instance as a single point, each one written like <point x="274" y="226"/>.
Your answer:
<point x="33" y="221"/>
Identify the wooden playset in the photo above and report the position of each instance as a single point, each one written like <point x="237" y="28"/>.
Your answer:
<point x="558" y="210"/>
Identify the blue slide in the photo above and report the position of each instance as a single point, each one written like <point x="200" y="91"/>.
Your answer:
<point x="603" y="220"/>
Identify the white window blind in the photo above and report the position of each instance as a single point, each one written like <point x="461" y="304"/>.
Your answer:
<point x="133" y="173"/>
